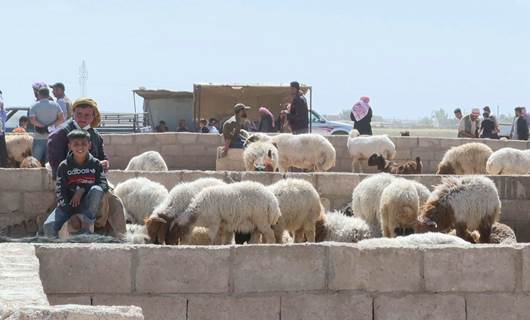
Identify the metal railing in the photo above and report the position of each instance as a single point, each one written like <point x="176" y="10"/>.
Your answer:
<point x="123" y="122"/>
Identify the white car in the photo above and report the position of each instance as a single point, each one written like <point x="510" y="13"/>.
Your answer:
<point x="322" y="126"/>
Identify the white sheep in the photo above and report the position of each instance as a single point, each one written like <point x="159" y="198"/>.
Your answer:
<point x="140" y="196"/>
<point x="335" y="226"/>
<point x="366" y="198"/>
<point x="509" y="161"/>
<point x="300" y="207"/>
<point x="466" y="204"/>
<point x="399" y="208"/>
<point x="304" y="151"/>
<point x="429" y="238"/>
<point x="362" y="147"/>
<point x="30" y="162"/>
<point x="261" y="156"/>
<point x="159" y="223"/>
<point x="147" y="161"/>
<point x="136" y="234"/>
<point x="18" y="147"/>
<point x="238" y="207"/>
<point x="469" y="158"/>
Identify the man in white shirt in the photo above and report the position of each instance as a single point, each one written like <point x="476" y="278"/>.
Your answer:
<point x="62" y="100"/>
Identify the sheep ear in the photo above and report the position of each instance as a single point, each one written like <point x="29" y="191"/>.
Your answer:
<point x="269" y="154"/>
<point x="275" y="145"/>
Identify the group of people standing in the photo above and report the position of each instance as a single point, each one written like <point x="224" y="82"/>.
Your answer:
<point x="471" y="126"/>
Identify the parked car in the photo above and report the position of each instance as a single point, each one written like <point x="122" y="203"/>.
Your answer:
<point x="320" y="125"/>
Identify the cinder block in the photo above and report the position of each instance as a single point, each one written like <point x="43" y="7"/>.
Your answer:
<point x="73" y="311"/>
<point x="329" y="183"/>
<point x="526" y="266"/>
<point x="59" y="299"/>
<point x="85" y="269"/>
<point x="515" y="210"/>
<point x="233" y="307"/>
<point x="374" y="269"/>
<point x="265" y="178"/>
<point x="421" y="306"/>
<point x="149" y="139"/>
<point x="429" y="143"/>
<point x="166" y="138"/>
<point x="327" y="306"/>
<point x="474" y="269"/>
<point x="121" y="139"/>
<point x="167" y="178"/>
<point x="233" y="161"/>
<point x="403" y="155"/>
<point x="424" y="154"/>
<point x="186" y="138"/>
<point x="155" y="307"/>
<point x="23" y="180"/>
<point x="118" y="176"/>
<point x="405" y="142"/>
<point x="265" y="268"/>
<point x="38" y="202"/>
<point x="11" y="202"/>
<point x="497" y="306"/>
<point x="172" y="149"/>
<point x="183" y="270"/>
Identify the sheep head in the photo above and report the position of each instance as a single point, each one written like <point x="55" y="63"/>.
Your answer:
<point x="445" y="168"/>
<point x="378" y="160"/>
<point x="157" y="228"/>
<point x="354" y="133"/>
<point x="435" y="217"/>
<point x="264" y="163"/>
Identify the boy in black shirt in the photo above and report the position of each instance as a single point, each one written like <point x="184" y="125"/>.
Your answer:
<point x="80" y="185"/>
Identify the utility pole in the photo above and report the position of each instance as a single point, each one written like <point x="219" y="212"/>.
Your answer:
<point x="83" y="78"/>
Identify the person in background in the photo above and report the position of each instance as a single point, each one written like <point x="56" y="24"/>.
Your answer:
<point x="298" y="114"/>
<point x="36" y="86"/>
<point x="3" y="120"/>
<point x="266" y="123"/>
<point x="80" y="186"/>
<point x="161" y="126"/>
<point x="232" y="127"/>
<point x="487" y="127"/>
<point x="212" y="125"/>
<point x="203" y="126"/>
<point x="458" y="114"/>
<point x="62" y="100"/>
<point x="183" y="127"/>
<point x="43" y="114"/>
<point x="22" y="125"/>
<point x="470" y="125"/>
<point x="496" y="131"/>
<point x="282" y="124"/>
<point x="526" y="116"/>
<point x="361" y="115"/>
<point x="520" y="125"/>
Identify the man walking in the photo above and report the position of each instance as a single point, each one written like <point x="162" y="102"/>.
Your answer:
<point x="520" y="125"/>
<point x="298" y="114"/>
<point x="43" y="114"/>
<point x="62" y="100"/>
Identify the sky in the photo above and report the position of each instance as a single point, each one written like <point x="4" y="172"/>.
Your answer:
<point x="410" y="57"/>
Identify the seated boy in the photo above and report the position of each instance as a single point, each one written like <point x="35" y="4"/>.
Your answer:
<point x="22" y="125"/>
<point x="80" y="185"/>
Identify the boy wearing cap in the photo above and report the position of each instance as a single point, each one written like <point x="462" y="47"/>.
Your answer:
<point x="80" y="185"/>
<point x="469" y="125"/>
<point x="62" y="100"/>
<point x="232" y="127"/>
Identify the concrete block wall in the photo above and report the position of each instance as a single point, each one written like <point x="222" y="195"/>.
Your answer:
<point x="198" y="151"/>
<point x="32" y="196"/>
<point x="305" y="281"/>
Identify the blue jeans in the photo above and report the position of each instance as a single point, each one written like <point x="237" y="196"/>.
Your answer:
<point x="40" y="150"/>
<point x="88" y="208"/>
<point x="237" y="142"/>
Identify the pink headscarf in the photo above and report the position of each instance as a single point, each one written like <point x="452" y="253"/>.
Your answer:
<point x="361" y="108"/>
<point x="267" y="112"/>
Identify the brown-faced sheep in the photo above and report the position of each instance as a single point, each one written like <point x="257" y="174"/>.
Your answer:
<point x="500" y="234"/>
<point x="465" y="204"/>
<point x="30" y="162"/>
<point x="261" y="156"/>
<point x="383" y="165"/>
<point x="469" y="158"/>
<point x="18" y="147"/>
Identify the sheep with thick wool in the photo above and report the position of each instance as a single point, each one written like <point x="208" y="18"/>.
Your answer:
<point x="304" y="151"/>
<point x="300" y="207"/>
<point x="159" y="223"/>
<point x="466" y="204"/>
<point x="140" y="196"/>
<point x="399" y="207"/>
<point x="30" y="162"/>
<point x="18" y="147"/>
<point x="335" y="226"/>
<point x="238" y="207"/>
<point x="147" y="161"/>
<point x="422" y="239"/>
<point x="261" y="156"/>
<point x="469" y="158"/>
<point x="137" y="234"/>
<point x="509" y="161"/>
<point x="362" y="147"/>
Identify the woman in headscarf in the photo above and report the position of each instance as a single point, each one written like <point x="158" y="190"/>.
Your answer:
<point x="266" y="123"/>
<point x="361" y="115"/>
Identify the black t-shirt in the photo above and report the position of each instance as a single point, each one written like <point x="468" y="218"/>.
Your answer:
<point x="487" y="126"/>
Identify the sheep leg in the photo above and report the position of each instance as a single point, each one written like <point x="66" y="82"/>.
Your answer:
<point x="227" y="237"/>
<point x="353" y="163"/>
<point x="278" y="233"/>
<point x="461" y="231"/>
<point x="299" y="236"/>
<point x="255" y="237"/>
<point x="214" y="234"/>
<point x="387" y="232"/>
<point x="309" y="232"/>
<point x="268" y="234"/>
<point x="485" y="231"/>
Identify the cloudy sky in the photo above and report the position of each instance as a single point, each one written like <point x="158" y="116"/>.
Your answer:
<point x="410" y="57"/>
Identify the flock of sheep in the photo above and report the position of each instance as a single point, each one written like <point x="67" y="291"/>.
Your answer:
<point x="210" y="211"/>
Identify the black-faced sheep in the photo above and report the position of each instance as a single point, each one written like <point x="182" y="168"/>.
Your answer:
<point x="300" y="207"/>
<point x="261" y="156"/>
<point x="465" y="204"/>
<point x="469" y="158"/>
<point x="159" y="223"/>
<point x="362" y="147"/>
<point x="383" y="165"/>
<point x="147" y="161"/>
<point x="335" y="226"/>
<point x="304" y="151"/>
<point x="140" y="196"/>
<point x="509" y="161"/>
<point x="238" y="207"/>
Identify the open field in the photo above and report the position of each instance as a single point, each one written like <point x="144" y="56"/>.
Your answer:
<point x="419" y="132"/>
